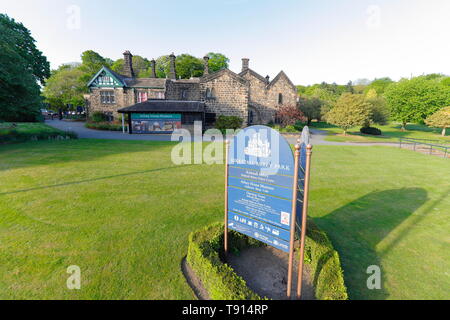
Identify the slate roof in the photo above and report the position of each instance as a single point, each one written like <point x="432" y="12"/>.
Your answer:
<point x="165" y="106"/>
<point x="145" y="83"/>
<point x="253" y="73"/>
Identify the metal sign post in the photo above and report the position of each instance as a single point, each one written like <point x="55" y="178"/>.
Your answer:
<point x="293" y="220"/>
<point x="304" y="220"/>
<point x="225" y="239"/>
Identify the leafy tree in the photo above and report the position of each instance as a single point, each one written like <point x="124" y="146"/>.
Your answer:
<point x="414" y="100"/>
<point x="378" y="109"/>
<point x="65" y="87"/>
<point x="189" y="66"/>
<point x="217" y="61"/>
<point x="350" y="110"/>
<point x="379" y="85"/>
<point x="311" y="108"/>
<point x="91" y="63"/>
<point x="162" y="66"/>
<point x="19" y="37"/>
<point x="141" y="66"/>
<point x="440" y="119"/>
<point x="22" y="67"/>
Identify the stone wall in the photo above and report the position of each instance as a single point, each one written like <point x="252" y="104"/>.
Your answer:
<point x="230" y="95"/>
<point x="174" y="90"/>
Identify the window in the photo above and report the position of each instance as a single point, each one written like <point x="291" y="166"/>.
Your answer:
<point x="280" y="98"/>
<point x="107" y="97"/>
<point x="250" y="117"/>
<point x="160" y="95"/>
<point x="184" y="93"/>
<point x="141" y="96"/>
<point x="210" y="93"/>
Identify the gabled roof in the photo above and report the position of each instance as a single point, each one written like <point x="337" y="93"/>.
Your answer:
<point x="282" y="75"/>
<point x="165" y="106"/>
<point x="118" y="77"/>
<point x="219" y="73"/>
<point x="253" y="73"/>
<point x="146" y="83"/>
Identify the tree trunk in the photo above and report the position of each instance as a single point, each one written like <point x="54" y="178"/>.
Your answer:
<point x="404" y="125"/>
<point x="444" y="131"/>
<point x="345" y="132"/>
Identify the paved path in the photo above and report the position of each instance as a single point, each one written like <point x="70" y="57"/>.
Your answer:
<point x="317" y="136"/>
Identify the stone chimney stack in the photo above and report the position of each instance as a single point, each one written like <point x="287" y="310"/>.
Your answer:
<point x="245" y="64"/>
<point x="173" y="71"/>
<point x="153" y="65"/>
<point x="128" y="65"/>
<point x="206" y="59"/>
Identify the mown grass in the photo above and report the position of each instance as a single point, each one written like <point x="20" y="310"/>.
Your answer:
<point x="123" y="212"/>
<point x="391" y="133"/>
<point x="29" y="128"/>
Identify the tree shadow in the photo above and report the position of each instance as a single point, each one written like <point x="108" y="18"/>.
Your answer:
<point x="358" y="227"/>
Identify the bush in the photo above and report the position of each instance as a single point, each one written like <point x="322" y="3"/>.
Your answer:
<point x="228" y="122"/>
<point x="299" y="126"/>
<point x="98" y="117"/>
<point x="222" y="283"/>
<point x="12" y="135"/>
<point x="372" y="131"/>
<point x="107" y="126"/>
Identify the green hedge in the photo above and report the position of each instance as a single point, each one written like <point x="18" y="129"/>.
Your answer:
<point x="107" y="126"/>
<point x="222" y="283"/>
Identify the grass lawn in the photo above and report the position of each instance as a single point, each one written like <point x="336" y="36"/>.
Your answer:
<point x="29" y="128"/>
<point x="122" y="212"/>
<point x="391" y="133"/>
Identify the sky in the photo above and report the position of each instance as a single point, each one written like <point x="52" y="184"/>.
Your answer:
<point x="312" y="41"/>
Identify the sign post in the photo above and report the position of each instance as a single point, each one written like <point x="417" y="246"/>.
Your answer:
<point x="263" y="177"/>
<point x="294" y="219"/>
<point x="304" y="220"/>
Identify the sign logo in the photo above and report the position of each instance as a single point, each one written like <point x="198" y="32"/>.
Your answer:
<point x="258" y="147"/>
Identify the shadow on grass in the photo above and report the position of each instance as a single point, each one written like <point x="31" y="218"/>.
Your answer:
<point x="358" y="227"/>
<point x="93" y="180"/>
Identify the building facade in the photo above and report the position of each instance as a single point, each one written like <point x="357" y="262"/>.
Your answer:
<point x="248" y="95"/>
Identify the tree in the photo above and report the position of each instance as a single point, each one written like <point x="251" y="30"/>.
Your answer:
<point x="217" y="61"/>
<point x="65" y="87"/>
<point x="189" y="66"/>
<point x="379" y="85"/>
<point x="22" y="67"/>
<point x="141" y="66"/>
<point x="91" y="63"/>
<point x="350" y="110"/>
<point x="289" y="115"/>
<point x="440" y="119"/>
<point x="414" y="100"/>
<point x="311" y="108"/>
<point x="162" y="66"/>
<point x="378" y="109"/>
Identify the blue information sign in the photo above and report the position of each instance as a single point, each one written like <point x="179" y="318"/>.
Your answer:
<point x="260" y="186"/>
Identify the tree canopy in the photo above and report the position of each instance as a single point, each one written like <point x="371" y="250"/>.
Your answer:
<point x="141" y="66"/>
<point x="440" y="119"/>
<point x="415" y="99"/>
<point x="349" y="111"/>
<point x="22" y="68"/>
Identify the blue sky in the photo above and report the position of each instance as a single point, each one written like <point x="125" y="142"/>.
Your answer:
<point x="312" y="41"/>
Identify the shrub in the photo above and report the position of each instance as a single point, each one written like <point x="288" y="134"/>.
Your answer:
<point x="299" y="126"/>
<point x="228" y="122"/>
<point x="222" y="283"/>
<point x="98" y="116"/>
<point x="12" y="135"/>
<point x="372" y="131"/>
<point x="107" y="126"/>
<point x="440" y="119"/>
<point x="289" y="115"/>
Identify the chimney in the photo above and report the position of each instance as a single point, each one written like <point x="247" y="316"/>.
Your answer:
<point x="128" y="65"/>
<point x="206" y="59"/>
<point x="245" y="64"/>
<point x="267" y="79"/>
<point x="153" y="65"/>
<point x="173" y="71"/>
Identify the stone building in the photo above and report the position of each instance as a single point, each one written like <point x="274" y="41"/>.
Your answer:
<point x="248" y="95"/>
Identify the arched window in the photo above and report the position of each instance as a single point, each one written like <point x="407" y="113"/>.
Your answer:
<point x="280" y="98"/>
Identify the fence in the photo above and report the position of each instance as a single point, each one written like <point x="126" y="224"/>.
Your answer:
<point x="426" y="146"/>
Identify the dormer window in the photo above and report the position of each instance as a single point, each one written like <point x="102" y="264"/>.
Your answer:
<point x="280" y="98"/>
<point x="105" y="80"/>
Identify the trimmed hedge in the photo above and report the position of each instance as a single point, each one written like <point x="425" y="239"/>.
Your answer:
<point x="371" y="130"/>
<point x="222" y="283"/>
<point x="107" y="126"/>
